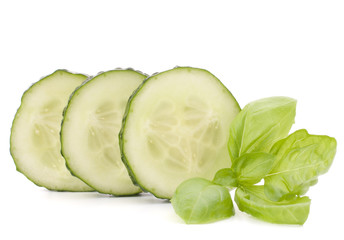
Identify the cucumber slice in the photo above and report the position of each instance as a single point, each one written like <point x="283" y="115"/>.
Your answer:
<point x="89" y="135"/>
<point x="35" y="133"/>
<point x="176" y="126"/>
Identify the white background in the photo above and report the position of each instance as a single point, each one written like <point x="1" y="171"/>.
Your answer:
<point x="257" y="48"/>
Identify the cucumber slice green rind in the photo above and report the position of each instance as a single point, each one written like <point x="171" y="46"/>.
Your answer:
<point x="71" y="183"/>
<point x="136" y="180"/>
<point x="121" y="141"/>
<point x="93" y="181"/>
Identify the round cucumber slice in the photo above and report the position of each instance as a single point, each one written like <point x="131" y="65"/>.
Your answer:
<point x="89" y="135"/>
<point x="176" y="126"/>
<point x="35" y="133"/>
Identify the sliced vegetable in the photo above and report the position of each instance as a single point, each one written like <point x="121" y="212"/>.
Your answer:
<point x="253" y="201"/>
<point x="35" y="134"/>
<point x="260" y="124"/>
<point x="175" y="128"/>
<point x="300" y="159"/>
<point x="200" y="201"/>
<point x="90" y="128"/>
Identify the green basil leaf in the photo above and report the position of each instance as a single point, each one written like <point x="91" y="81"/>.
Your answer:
<point x="198" y="200"/>
<point x="250" y="168"/>
<point x="300" y="159"/>
<point x="253" y="201"/>
<point x="260" y="124"/>
<point x="226" y="177"/>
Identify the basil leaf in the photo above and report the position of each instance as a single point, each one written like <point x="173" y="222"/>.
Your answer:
<point x="260" y="124"/>
<point x="198" y="200"/>
<point x="300" y="159"/>
<point x="253" y="201"/>
<point x="226" y="177"/>
<point x="250" y="168"/>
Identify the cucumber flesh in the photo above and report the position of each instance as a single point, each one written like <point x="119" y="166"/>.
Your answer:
<point x="176" y="127"/>
<point x="35" y="133"/>
<point x="89" y="135"/>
